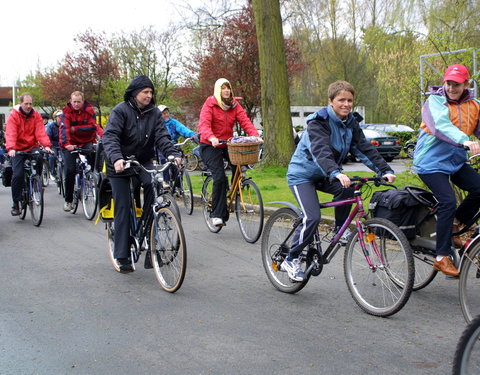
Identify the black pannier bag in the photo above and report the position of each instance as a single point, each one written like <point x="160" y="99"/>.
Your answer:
<point x="7" y="176"/>
<point x="407" y="208"/>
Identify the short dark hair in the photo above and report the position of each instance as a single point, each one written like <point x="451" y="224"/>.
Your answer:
<point x="22" y="97"/>
<point x="336" y="87"/>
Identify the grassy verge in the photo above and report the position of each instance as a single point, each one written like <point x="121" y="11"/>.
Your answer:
<point x="273" y="185"/>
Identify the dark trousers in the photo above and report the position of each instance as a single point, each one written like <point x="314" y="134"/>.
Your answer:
<point x="18" y="174"/>
<point x="122" y="219"/>
<point x="213" y="158"/>
<point x="70" y="168"/>
<point x="52" y="161"/>
<point x="307" y="198"/>
<point x="439" y="183"/>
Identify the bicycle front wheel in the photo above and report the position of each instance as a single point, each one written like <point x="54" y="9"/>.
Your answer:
<point x="36" y="201"/>
<point x="249" y="210"/>
<point x="187" y="192"/>
<point x="89" y="196"/>
<point x="467" y="355"/>
<point x="168" y="250"/>
<point x="383" y="287"/>
<point x="191" y="162"/>
<point x="469" y="285"/>
<point x="275" y="247"/>
<point x="77" y="191"/>
<point x="60" y="180"/>
<point x="207" y="189"/>
<point x="45" y="174"/>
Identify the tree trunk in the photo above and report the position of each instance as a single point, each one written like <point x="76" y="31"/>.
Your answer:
<point x="277" y="123"/>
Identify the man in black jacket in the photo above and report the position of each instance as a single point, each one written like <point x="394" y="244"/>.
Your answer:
<point x="134" y="128"/>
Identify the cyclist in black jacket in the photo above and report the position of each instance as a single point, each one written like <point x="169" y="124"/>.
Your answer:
<point x="135" y="127"/>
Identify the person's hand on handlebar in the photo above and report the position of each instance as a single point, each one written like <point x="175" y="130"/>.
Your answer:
<point x="119" y="165"/>
<point x="179" y="161"/>
<point x="474" y="147"/>
<point x="389" y="177"/>
<point x="70" y="147"/>
<point x="11" y="153"/>
<point x="214" y="141"/>
<point x="49" y="150"/>
<point x="344" y="180"/>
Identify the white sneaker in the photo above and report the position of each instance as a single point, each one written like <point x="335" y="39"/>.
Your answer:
<point x="293" y="269"/>
<point x="67" y="206"/>
<point x="217" y="222"/>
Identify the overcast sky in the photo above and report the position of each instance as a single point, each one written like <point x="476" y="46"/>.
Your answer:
<point x="39" y="33"/>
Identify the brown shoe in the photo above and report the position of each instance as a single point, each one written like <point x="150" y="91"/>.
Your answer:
<point x="446" y="266"/>
<point x="15" y="211"/>
<point x="457" y="241"/>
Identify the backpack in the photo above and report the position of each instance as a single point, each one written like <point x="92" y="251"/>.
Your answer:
<point x="407" y="208"/>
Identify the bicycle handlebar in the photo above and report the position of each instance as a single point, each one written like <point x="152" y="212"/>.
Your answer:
<point x="187" y="140"/>
<point x="131" y="161"/>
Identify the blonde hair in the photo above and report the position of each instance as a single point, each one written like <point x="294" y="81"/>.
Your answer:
<point x="77" y="93"/>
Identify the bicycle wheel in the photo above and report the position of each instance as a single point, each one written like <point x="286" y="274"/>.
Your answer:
<point x="24" y="203"/>
<point x="467" y="354"/>
<point x="275" y="248"/>
<point x="187" y="192"/>
<point x="424" y="272"/>
<point x="249" y="209"/>
<point x="207" y="204"/>
<point x="191" y="162"/>
<point x="469" y="285"/>
<point x="384" y="288"/>
<point x="60" y="180"/>
<point x="168" y="249"/>
<point x="45" y="174"/>
<point x="35" y="202"/>
<point x="89" y="196"/>
<point x="76" y="194"/>
<point x="110" y="227"/>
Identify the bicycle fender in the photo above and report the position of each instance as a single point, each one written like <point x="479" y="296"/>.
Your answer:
<point x="289" y="205"/>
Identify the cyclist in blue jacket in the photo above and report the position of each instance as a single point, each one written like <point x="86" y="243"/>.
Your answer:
<point x="331" y="134"/>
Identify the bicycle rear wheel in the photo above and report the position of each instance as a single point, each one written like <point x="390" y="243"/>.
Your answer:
<point x="168" y="249"/>
<point x="275" y="248"/>
<point x="424" y="272"/>
<point x="35" y="202"/>
<point x="249" y="210"/>
<point x="467" y="355"/>
<point x="77" y="192"/>
<point x="110" y="227"/>
<point x="469" y="285"/>
<point x="207" y="204"/>
<point x="384" y="288"/>
<point x="89" y="196"/>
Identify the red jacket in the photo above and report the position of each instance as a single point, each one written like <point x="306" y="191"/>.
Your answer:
<point x="25" y="132"/>
<point x="79" y="127"/>
<point x="214" y="121"/>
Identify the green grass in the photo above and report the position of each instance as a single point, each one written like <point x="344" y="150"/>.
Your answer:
<point x="273" y="185"/>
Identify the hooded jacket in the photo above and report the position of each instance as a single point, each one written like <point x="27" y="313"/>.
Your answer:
<point x="79" y="127"/>
<point x="218" y="122"/>
<point x="446" y="125"/>
<point x="134" y="131"/>
<point x="25" y="131"/>
<point x="53" y="130"/>
<point x="176" y="129"/>
<point x="326" y="143"/>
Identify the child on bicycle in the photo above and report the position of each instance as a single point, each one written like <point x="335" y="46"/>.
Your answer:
<point x="331" y="134"/>
<point x="449" y="117"/>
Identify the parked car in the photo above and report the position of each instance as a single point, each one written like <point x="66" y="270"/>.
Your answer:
<point x="388" y="127"/>
<point x="387" y="145"/>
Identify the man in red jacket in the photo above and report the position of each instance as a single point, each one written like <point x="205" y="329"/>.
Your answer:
<point x="25" y="132"/>
<point x="78" y="129"/>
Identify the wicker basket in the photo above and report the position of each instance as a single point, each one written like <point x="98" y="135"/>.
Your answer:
<point x="243" y="153"/>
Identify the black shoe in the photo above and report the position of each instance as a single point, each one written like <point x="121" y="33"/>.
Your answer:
<point x="125" y="265"/>
<point x="15" y="210"/>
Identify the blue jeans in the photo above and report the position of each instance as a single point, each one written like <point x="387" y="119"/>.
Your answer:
<point x="439" y="183"/>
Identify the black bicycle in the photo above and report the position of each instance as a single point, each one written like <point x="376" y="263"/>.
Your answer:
<point x="32" y="194"/>
<point x="159" y="232"/>
<point x="85" y="187"/>
<point x="467" y="355"/>
<point x="181" y="185"/>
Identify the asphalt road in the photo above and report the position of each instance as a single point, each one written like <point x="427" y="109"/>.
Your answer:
<point x="64" y="310"/>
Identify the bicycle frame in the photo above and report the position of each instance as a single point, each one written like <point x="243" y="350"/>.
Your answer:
<point x="236" y="184"/>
